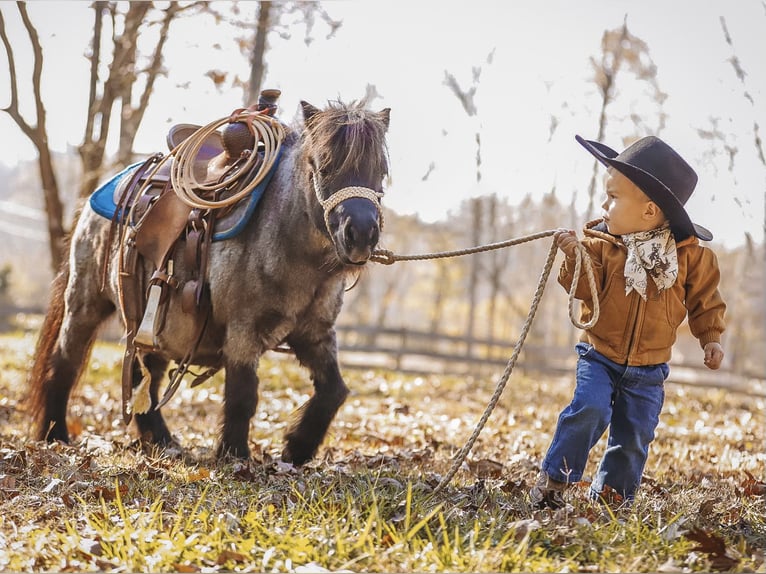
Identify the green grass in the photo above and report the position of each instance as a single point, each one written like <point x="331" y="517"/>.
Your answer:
<point x="367" y="503"/>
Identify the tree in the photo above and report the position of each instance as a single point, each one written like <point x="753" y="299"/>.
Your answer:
<point x="620" y="49"/>
<point x="741" y="75"/>
<point x="277" y="17"/>
<point x="128" y="75"/>
<point x="466" y="98"/>
<point x="37" y="132"/>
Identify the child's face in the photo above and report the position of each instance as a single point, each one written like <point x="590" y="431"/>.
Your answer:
<point x="627" y="209"/>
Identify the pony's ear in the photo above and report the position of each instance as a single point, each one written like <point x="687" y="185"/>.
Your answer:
<point x="385" y="115"/>
<point x="308" y="111"/>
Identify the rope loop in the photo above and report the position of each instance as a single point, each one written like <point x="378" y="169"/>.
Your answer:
<point x="266" y="129"/>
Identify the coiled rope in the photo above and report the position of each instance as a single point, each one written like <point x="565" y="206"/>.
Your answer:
<point x="582" y="259"/>
<point x="190" y="190"/>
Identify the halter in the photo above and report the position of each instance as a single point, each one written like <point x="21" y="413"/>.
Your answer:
<point x="342" y="195"/>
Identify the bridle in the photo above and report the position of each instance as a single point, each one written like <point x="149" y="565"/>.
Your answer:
<point x="342" y="195"/>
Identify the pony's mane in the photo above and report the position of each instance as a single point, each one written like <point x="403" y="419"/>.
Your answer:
<point x="348" y="137"/>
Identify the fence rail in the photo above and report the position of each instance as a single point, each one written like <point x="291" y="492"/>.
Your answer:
<point x="421" y="352"/>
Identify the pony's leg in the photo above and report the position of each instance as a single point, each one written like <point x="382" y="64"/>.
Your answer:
<point x="63" y="347"/>
<point x="151" y="425"/>
<point x="330" y="391"/>
<point x="240" y="401"/>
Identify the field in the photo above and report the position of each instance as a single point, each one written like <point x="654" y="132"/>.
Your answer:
<point x="367" y="503"/>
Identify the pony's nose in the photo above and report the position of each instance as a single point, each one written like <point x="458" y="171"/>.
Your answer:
<point x="360" y="239"/>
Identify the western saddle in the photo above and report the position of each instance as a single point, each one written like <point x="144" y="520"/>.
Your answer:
<point x="151" y="219"/>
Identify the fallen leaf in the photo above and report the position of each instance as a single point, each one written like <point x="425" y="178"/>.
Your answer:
<point x="714" y="546"/>
<point x="200" y="474"/>
<point x="227" y="555"/>
<point x="753" y="486"/>
<point x="186" y="568"/>
<point x="7" y="482"/>
<point x="486" y="468"/>
<point x="109" y="494"/>
<point x="54" y="482"/>
<point x="522" y="527"/>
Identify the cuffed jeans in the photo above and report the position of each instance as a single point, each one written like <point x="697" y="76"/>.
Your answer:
<point x="626" y="399"/>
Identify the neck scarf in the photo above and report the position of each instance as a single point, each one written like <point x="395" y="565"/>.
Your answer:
<point x="650" y="254"/>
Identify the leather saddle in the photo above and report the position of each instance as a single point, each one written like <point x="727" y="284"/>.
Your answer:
<point x="153" y="223"/>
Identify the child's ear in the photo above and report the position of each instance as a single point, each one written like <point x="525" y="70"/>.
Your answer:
<point x="653" y="211"/>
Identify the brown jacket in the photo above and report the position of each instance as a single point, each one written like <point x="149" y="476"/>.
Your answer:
<point x="631" y="331"/>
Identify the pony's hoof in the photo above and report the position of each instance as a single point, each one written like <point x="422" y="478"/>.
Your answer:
<point x="290" y="457"/>
<point x="225" y="452"/>
<point x="168" y="448"/>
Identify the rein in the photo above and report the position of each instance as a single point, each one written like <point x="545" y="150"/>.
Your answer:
<point x="582" y="259"/>
<point x="342" y="195"/>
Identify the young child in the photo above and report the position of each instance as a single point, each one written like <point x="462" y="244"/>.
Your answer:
<point x="651" y="273"/>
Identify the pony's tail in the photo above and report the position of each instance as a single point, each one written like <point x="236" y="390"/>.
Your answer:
<point x="41" y="373"/>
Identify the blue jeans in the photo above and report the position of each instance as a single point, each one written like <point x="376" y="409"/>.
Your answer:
<point x="626" y="399"/>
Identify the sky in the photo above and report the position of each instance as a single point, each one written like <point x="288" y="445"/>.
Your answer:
<point x="539" y="77"/>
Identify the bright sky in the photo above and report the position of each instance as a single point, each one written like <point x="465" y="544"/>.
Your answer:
<point x="541" y="69"/>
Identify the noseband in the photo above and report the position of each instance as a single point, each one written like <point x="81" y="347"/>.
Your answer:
<point x="342" y="195"/>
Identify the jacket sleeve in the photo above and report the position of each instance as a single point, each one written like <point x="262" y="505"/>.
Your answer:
<point x="566" y="272"/>
<point x="704" y="303"/>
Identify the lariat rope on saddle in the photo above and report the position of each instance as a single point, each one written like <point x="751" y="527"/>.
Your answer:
<point x="264" y="128"/>
<point x="582" y="260"/>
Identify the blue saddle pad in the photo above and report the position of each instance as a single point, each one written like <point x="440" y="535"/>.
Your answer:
<point x="102" y="202"/>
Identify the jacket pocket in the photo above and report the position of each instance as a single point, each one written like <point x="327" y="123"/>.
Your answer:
<point x="658" y="331"/>
<point x="675" y="308"/>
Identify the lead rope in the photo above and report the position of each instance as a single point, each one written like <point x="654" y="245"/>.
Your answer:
<point x="581" y="255"/>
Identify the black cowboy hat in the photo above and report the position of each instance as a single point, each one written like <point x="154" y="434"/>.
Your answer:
<point x="661" y="174"/>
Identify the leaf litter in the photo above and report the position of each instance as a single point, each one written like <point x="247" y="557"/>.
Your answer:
<point x="367" y="502"/>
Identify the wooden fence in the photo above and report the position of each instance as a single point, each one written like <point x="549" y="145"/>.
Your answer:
<point x="422" y="352"/>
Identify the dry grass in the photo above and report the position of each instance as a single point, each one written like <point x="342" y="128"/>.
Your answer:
<point x="367" y="503"/>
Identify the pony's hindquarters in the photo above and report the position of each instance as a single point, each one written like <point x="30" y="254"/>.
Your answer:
<point x="76" y="309"/>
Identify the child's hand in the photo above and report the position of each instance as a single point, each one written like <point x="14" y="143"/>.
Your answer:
<point x="713" y="355"/>
<point x="566" y="241"/>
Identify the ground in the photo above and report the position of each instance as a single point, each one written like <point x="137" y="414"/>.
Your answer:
<point x="368" y="502"/>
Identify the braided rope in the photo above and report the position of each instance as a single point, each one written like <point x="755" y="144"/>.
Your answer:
<point x="581" y="255"/>
<point x="342" y="195"/>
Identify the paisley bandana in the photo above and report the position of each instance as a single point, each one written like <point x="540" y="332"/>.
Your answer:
<point x="650" y="254"/>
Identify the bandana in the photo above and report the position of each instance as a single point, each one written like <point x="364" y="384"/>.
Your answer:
<point x="650" y="254"/>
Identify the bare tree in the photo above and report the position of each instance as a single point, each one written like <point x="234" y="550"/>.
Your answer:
<point x="125" y="77"/>
<point x="757" y="140"/>
<point x="497" y="264"/>
<point x="257" y="56"/>
<point x="620" y="49"/>
<point x="467" y="101"/>
<point x="278" y="17"/>
<point x="37" y="133"/>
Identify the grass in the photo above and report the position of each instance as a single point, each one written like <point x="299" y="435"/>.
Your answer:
<point x="367" y="503"/>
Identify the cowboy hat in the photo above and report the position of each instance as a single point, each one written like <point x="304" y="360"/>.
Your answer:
<point x="660" y="173"/>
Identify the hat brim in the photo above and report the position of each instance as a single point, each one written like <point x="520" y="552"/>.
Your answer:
<point x="657" y="191"/>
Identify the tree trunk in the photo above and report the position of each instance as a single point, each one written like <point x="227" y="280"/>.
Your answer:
<point x="133" y="116"/>
<point x="53" y="207"/>
<point x="122" y="76"/>
<point x="38" y="135"/>
<point x="473" y="282"/>
<point x="257" y="56"/>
